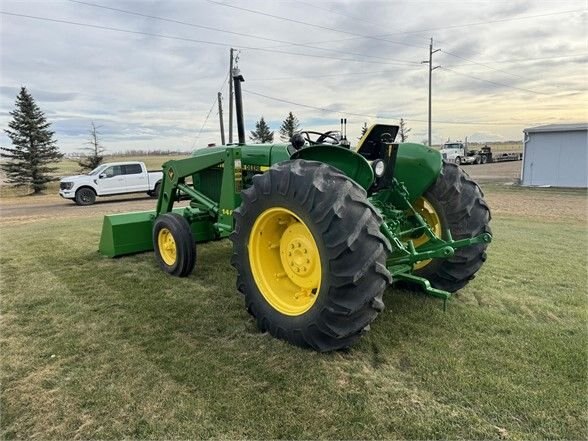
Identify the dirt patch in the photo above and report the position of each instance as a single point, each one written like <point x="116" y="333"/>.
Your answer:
<point x="33" y="208"/>
<point x="498" y="172"/>
<point x="538" y="204"/>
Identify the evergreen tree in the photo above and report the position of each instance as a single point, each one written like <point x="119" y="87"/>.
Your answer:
<point x="403" y="131"/>
<point x="262" y="133"/>
<point x="95" y="152"/>
<point x="364" y="130"/>
<point x="289" y="126"/>
<point x="33" y="146"/>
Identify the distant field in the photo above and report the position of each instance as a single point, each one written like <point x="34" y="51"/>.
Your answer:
<point x="114" y="348"/>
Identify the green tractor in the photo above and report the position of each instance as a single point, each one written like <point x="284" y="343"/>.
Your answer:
<point x="319" y="230"/>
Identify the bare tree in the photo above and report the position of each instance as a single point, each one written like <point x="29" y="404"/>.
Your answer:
<point x="95" y="152"/>
<point x="403" y="131"/>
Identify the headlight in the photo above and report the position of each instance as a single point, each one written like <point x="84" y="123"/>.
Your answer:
<point x="66" y="185"/>
<point x="379" y="168"/>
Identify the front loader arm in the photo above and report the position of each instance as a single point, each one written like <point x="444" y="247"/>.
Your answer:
<point x="174" y="184"/>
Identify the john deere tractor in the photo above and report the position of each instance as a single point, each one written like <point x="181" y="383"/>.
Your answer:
<point x="319" y="230"/>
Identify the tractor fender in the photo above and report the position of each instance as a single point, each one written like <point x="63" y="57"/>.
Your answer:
<point x="352" y="164"/>
<point x="417" y="167"/>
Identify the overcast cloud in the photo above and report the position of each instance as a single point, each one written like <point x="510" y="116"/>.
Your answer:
<point x="148" y="92"/>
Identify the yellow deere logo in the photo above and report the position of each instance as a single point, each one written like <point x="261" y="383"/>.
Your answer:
<point x="170" y="173"/>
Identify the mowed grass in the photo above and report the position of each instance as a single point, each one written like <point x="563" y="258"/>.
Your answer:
<point x="113" y="348"/>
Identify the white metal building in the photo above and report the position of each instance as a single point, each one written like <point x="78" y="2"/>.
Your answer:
<point x="556" y="155"/>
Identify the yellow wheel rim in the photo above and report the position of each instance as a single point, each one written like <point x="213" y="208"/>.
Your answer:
<point x="430" y="215"/>
<point x="167" y="246"/>
<point x="285" y="261"/>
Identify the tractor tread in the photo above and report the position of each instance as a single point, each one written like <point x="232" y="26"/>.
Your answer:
<point x="353" y="249"/>
<point x="467" y="215"/>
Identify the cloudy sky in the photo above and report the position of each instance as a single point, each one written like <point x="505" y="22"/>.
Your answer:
<point x="148" y="72"/>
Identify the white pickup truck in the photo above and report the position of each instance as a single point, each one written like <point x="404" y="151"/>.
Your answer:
<point x="110" y="179"/>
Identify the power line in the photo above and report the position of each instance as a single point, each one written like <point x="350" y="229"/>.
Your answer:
<point x="242" y="34"/>
<point x="492" y="82"/>
<point x="215" y="101"/>
<point x="378" y="38"/>
<point x="265" y="14"/>
<point x="342" y="74"/>
<point x="327" y="110"/>
<point x="526" y="17"/>
<point x="331" y="11"/>
<point x="192" y="40"/>
<point x="480" y="64"/>
<point x="452" y="26"/>
<point x="523" y="60"/>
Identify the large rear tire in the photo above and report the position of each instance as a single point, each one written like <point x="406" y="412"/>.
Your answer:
<point x="459" y="204"/>
<point x="310" y="258"/>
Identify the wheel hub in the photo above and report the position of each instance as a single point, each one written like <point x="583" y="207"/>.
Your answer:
<point x="167" y="246"/>
<point x="285" y="261"/>
<point x="298" y="255"/>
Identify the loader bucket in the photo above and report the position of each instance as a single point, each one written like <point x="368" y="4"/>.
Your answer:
<point x="127" y="233"/>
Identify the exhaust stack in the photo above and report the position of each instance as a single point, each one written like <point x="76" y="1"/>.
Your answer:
<point x="237" y="80"/>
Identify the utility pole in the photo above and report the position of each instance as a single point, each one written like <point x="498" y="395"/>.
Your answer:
<point x="431" y="69"/>
<point x="220" y="117"/>
<point x="231" y="98"/>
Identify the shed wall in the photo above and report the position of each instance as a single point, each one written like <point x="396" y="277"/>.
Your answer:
<point x="556" y="158"/>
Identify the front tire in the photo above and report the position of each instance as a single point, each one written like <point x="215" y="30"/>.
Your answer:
<point x="459" y="205"/>
<point x="173" y="242"/>
<point x="458" y="160"/>
<point x="85" y="196"/>
<point x="155" y="192"/>
<point x="310" y="258"/>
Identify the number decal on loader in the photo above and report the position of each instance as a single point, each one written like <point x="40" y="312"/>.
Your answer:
<point x="227" y="212"/>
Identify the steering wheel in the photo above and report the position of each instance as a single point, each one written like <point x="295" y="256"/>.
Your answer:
<point x="320" y="137"/>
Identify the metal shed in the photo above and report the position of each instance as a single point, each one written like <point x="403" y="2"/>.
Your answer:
<point x="556" y="155"/>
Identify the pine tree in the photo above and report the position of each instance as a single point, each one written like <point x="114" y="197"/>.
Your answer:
<point x="262" y="133"/>
<point x="33" y="146"/>
<point x="364" y="130"/>
<point x="403" y="131"/>
<point x="96" y="150"/>
<point x="289" y="126"/>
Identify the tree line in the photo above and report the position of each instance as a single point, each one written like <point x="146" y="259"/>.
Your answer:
<point x="28" y="162"/>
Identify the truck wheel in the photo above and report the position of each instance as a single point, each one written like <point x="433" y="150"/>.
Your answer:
<point x="484" y="159"/>
<point x="175" y="249"/>
<point x="455" y="202"/>
<point x="310" y="258"/>
<point x="155" y="192"/>
<point x="85" y="196"/>
<point x="458" y="160"/>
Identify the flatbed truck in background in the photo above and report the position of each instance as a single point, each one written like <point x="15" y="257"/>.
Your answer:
<point x="459" y="153"/>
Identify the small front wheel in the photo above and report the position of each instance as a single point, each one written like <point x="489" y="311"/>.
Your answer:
<point x="173" y="242"/>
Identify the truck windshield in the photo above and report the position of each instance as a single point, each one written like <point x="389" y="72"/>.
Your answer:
<point x="97" y="170"/>
<point x="451" y="146"/>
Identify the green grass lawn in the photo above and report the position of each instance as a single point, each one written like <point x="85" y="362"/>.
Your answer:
<point x="113" y="348"/>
